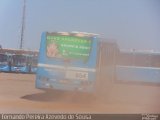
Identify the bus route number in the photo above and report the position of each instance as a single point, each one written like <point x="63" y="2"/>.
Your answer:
<point x="82" y="75"/>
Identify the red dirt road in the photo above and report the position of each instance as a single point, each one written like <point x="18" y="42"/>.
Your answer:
<point x="19" y="95"/>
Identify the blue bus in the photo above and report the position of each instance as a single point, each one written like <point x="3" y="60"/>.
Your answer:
<point x="33" y="64"/>
<point x="74" y="61"/>
<point x="20" y="63"/>
<point x="5" y="62"/>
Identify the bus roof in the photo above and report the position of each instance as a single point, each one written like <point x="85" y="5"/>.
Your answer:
<point x="76" y="33"/>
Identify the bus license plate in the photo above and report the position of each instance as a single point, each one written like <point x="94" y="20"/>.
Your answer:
<point x="77" y="75"/>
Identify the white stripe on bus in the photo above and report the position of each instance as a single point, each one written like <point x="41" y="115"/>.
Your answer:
<point x="138" y="67"/>
<point x="68" y="68"/>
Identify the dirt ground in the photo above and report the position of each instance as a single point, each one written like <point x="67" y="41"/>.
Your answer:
<point x="19" y="95"/>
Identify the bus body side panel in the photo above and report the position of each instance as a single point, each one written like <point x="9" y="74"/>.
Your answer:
<point x="22" y="69"/>
<point x="4" y="68"/>
<point x="138" y="74"/>
<point x="33" y="69"/>
<point x="55" y="73"/>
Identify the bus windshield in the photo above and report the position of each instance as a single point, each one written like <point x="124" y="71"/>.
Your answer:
<point x="68" y="47"/>
<point x="19" y="60"/>
<point x="34" y="61"/>
<point x="3" y="59"/>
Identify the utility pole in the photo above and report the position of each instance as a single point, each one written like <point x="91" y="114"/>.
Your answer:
<point x="23" y="25"/>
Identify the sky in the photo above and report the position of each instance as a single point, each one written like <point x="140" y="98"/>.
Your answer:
<point x="133" y="24"/>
